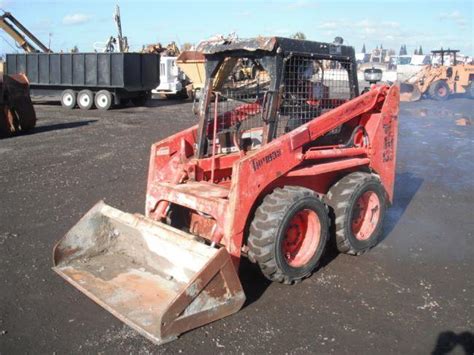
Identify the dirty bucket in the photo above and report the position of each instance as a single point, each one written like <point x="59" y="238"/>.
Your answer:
<point x="409" y="92"/>
<point x="155" y="278"/>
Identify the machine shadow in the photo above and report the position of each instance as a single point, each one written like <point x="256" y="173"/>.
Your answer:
<point x="252" y="280"/>
<point x="59" y="126"/>
<point x="48" y="128"/>
<point x="406" y="187"/>
<point x="447" y="341"/>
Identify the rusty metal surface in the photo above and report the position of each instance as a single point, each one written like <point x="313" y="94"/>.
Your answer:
<point x="251" y="45"/>
<point x="17" y="113"/>
<point x="156" y="279"/>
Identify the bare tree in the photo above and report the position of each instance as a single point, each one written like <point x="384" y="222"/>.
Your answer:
<point x="299" y="35"/>
<point x="186" y="46"/>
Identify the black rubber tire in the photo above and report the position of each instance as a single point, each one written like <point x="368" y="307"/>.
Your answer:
<point x="103" y="100"/>
<point x="68" y="99"/>
<point x="470" y="90"/>
<point x="139" y="101"/>
<point x="85" y="99"/>
<point x="342" y="198"/>
<point x="434" y="88"/>
<point x="268" y="228"/>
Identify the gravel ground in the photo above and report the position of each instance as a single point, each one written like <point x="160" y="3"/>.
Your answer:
<point x="412" y="294"/>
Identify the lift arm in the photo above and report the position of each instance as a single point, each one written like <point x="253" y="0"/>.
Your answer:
<point x="21" y="35"/>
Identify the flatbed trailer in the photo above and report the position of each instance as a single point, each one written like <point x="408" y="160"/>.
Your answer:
<point x="88" y="79"/>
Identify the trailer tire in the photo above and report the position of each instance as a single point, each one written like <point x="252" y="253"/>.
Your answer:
<point x="357" y="232"/>
<point x="470" y="90"/>
<point x="68" y="99"/>
<point x="439" y="90"/>
<point x="85" y="99"/>
<point x="288" y="234"/>
<point x="139" y="101"/>
<point x="103" y="100"/>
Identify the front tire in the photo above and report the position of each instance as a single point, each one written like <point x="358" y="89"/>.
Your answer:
<point x="85" y="99"/>
<point x="470" y="90"/>
<point x="358" y="201"/>
<point x="68" y="99"/>
<point x="439" y="90"/>
<point x="288" y="234"/>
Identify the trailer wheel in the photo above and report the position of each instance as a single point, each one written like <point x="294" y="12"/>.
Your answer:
<point x="68" y="99"/>
<point x="85" y="99"/>
<point x="288" y="234"/>
<point x="103" y="100"/>
<point x="358" y="201"/>
<point x="470" y="90"/>
<point x="439" y="90"/>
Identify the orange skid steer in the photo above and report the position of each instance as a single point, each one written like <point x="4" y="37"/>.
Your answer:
<point x="275" y="160"/>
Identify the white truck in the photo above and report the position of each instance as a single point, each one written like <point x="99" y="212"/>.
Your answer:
<point x="173" y="81"/>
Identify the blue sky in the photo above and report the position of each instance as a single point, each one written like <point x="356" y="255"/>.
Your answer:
<point x="431" y="24"/>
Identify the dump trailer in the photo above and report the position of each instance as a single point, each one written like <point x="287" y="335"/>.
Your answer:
<point x="277" y="166"/>
<point x="88" y="79"/>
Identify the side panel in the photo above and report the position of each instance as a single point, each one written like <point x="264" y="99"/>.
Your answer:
<point x="128" y="71"/>
<point x="255" y="172"/>
<point x="383" y="134"/>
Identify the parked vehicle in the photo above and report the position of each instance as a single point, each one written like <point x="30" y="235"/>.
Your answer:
<point x="440" y="81"/>
<point x="278" y="165"/>
<point x="173" y="81"/>
<point x="88" y="79"/>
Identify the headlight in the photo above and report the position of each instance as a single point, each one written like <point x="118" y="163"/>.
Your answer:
<point x="373" y="75"/>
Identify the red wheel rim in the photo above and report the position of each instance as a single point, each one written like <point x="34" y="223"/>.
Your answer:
<point x="442" y="91"/>
<point x="366" y="215"/>
<point x="301" y="238"/>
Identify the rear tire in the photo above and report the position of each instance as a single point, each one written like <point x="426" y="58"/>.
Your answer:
<point x="85" y="99"/>
<point x="439" y="90"/>
<point x="139" y="101"/>
<point x="68" y="99"/>
<point x="470" y="90"/>
<point x="288" y="234"/>
<point x="358" y="201"/>
<point x="103" y="100"/>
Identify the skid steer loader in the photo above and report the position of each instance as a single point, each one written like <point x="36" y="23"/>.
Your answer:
<point x="274" y="161"/>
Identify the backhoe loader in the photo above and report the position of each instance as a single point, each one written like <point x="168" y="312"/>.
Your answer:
<point x="440" y="81"/>
<point x="274" y="161"/>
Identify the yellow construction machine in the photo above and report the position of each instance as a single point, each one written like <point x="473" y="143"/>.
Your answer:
<point x="440" y="81"/>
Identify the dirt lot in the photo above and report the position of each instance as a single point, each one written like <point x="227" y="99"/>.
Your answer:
<point x="413" y="293"/>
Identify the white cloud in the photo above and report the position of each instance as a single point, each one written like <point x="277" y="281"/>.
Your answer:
<point x="301" y="4"/>
<point x="76" y="19"/>
<point x="328" y="26"/>
<point x="391" y="24"/>
<point x="455" y="16"/>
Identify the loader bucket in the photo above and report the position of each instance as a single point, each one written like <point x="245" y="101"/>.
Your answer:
<point x="16" y="109"/>
<point x="409" y="92"/>
<point x="155" y="278"/>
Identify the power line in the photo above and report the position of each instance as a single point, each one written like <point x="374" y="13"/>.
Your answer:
<point x="15" y="49"/>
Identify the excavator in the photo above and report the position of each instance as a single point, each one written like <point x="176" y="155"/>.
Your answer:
<point x="17" y="113"/>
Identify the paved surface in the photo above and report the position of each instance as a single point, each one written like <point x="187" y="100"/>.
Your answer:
<point x="413" y="293"/>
